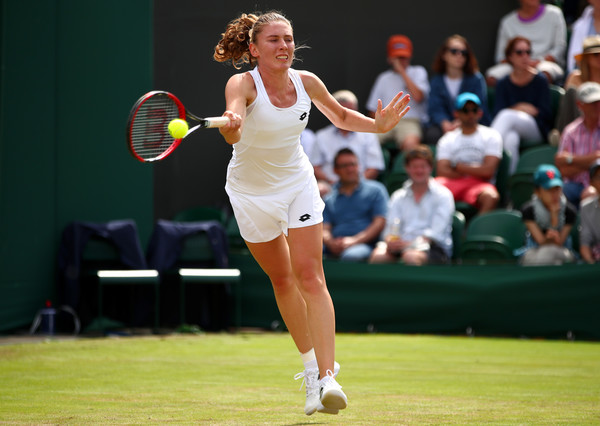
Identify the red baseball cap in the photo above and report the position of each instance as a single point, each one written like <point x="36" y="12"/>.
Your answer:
<point x="399" y="46"/>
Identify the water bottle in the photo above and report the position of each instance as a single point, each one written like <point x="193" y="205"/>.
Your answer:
<point x="48" y="316"/>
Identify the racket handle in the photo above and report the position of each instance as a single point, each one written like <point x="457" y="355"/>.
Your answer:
<point x="217" y="121"/>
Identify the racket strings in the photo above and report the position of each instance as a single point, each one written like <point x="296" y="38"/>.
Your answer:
<point x="150" y="137"/>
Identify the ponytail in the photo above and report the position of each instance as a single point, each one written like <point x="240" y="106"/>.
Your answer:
<point x="235" y="42"/>
<point x="234" y="45"/>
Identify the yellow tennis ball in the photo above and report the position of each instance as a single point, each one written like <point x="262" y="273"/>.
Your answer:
<point x="178" y="128"/>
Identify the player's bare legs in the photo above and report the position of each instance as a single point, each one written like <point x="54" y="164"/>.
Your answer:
<point x="306" y="253"/>
<point x="273" y="257"/>
<point x="295" y="269"/>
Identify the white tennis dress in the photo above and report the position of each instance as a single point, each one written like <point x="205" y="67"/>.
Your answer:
<point x="270" y="181"/>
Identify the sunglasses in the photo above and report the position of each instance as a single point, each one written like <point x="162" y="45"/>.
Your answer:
<point x="467" y="110"/>
<point x="346" y="165"/>
<point x="521" y="52"/>
<point x="455" y="51"/>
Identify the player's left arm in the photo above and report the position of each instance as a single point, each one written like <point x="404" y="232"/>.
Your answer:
<point x="347" y="119"/>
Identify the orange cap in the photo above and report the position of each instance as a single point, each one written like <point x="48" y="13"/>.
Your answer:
<point x="399" y="46"/>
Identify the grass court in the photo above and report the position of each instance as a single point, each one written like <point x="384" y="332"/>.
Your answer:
<point x="247" y="378"/>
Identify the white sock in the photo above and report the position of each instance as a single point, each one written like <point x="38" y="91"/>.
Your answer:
<point x="309" y="360"/>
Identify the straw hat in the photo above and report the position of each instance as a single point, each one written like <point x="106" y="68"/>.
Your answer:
<point x="591" y="44"/>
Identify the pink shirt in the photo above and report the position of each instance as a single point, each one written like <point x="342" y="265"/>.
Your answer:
<point x="578" y="140"/>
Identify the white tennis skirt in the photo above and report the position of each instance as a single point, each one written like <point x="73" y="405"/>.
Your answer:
<point x="263" y="218"/>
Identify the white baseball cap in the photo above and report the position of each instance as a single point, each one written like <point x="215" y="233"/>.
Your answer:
<point x="589" y="92"/>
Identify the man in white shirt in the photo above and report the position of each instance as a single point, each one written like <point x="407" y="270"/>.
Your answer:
<point x="419" y="220"/>
<point x="468" y="157"/>
<point x="402" y="76"/>
<point x="330" y="140"/>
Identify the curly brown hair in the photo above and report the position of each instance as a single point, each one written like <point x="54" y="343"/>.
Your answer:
<point x="235" y="42"/>
<point x="439" y="64"/>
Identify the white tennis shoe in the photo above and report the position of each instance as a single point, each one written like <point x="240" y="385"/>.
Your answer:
<point x="332" y="396"/>
<point x="311" y="380"/>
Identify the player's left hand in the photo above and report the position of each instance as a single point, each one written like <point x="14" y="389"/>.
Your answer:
<point x="386" y="118"/>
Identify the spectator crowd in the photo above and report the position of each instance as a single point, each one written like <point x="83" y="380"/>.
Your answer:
<point x="471" y="140"/>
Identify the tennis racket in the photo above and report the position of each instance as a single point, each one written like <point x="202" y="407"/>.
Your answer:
<point x="148" y="137"/>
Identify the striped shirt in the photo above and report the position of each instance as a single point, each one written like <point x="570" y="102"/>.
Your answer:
<point x="578" y="140"/>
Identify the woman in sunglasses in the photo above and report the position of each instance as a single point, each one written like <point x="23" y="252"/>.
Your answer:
<point x="544" y="25"/>
<point x="456" y="71"/>
<point x="522" y="100"/>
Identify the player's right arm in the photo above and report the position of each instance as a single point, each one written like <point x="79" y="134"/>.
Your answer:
<point x="239" y="92"/>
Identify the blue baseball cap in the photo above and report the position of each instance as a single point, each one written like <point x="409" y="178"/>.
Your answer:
<point x="547" y="176"/>
<point x="465" y="97"/>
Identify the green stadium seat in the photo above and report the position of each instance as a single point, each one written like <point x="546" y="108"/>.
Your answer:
<point x="387" y="165"/>
<point x="466" y="209"/>
<point x="397" y="174"/>
<point x="502" y="177"/>
<point x="520" y="184"/>
<point x="493" y="237"/>
<point x="521" y="188"/>
<point x="531" y="158"/>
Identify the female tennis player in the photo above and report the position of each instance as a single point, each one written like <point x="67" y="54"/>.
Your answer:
<point x="272" y="187"/>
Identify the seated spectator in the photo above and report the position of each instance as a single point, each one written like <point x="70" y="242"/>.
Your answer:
<point x="468" y="157"/>
<point x="588" y="24"/>
<point x="544" y="25"/>
<point x="355" y="211"/>
<point x="407" y="78"/>
<point x="580" y="145"/>
<point x="456" y="71"/>
<point x="522" y="101"/>
<point x="589" y="70"/>
<point x="330" y="140"/>
<point x="419" y="221"/>
<point x="549" y="218"/>
<point x="589" y="236"/>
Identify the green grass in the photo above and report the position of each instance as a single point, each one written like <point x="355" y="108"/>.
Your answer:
<point x="248" y="379"/>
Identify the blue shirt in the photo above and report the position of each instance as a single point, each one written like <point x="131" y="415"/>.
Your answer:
<point x="442" y="104"/>
<point x="349" y="215"/>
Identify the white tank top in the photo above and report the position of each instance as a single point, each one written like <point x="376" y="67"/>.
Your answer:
<point x="269" y="158"/>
